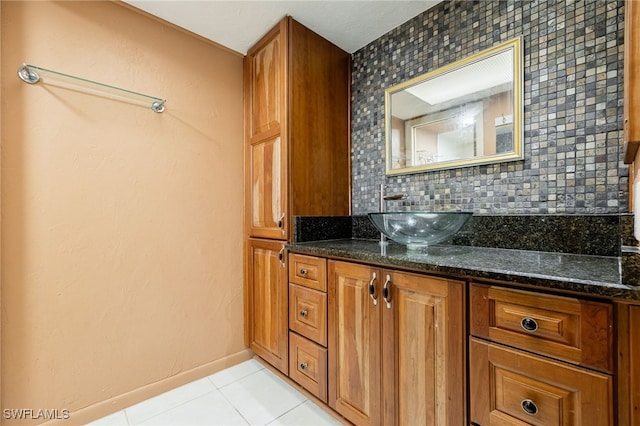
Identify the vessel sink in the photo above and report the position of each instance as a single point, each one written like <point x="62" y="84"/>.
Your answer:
<point x="419" y="229"/>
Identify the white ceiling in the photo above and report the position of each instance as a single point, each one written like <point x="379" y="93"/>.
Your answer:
<point x="238" y="24"/>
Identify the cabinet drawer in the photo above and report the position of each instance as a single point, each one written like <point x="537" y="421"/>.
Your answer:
<point x="509" y="387"/>
<point x="308" y="365"/>
<point x="566" y="328"/>
<point x="308" y="313"/>
<point x="308" y="271"/>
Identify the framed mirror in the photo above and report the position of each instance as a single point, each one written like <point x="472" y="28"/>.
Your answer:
<point x="463" y="114"/>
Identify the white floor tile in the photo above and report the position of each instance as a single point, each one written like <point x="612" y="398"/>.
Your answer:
<point x="307" y="414"/>
<point x="262" y="397"/>
<point x="209" y="409"/>
<point x="168" y="400"/>
<point x="243" y="394"/>
<point x="115" y="419"/>
<point x="235" y="373"/>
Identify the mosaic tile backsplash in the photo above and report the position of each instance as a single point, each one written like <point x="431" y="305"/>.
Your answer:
<point x="573" y="108"/>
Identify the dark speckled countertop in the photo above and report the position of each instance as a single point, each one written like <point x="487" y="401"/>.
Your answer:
<point x="597" y="276"/>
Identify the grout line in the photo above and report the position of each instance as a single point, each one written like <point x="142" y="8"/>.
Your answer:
<point x="236" y="380"/>
<point x="233" y="406"/>
<point x="126" y="417"/>
<point x="288" y="411"/>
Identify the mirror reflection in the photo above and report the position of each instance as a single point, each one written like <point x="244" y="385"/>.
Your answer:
<point x="463" y="114"/>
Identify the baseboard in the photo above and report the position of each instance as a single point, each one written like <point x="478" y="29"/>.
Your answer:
<point x="120" y="402"/>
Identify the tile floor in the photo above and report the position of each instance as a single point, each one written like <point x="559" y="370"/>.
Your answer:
<point x="245" y="394"/>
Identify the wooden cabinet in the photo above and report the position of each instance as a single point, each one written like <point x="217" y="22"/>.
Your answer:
<point x="527" y="358"/>
<point x="308" y="313"/>
<point x="396" y="346"/>
<point x="423" y="354"/>
<point x="631" y="80"/>
<point x="509" y="386"/>
<point x="266" y="302"/>
<point x="628" y="374"/>
<point x="297" y="160"/>
<point x="308" y="323"/>
<point x="355" y="332"/>
<point x="568" y="328"/>
<point x="266" y="137"/>
<point x="297" y="94"/>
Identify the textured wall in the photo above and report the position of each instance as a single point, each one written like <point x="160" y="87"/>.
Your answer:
<point x="121" y="228"/>
<point x="573" y="104"/>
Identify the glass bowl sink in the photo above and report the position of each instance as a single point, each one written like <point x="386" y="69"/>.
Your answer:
<point x="419" y="229"/>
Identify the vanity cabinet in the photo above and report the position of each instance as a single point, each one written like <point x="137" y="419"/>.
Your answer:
<point x="397" y="351"/>
<point x="539" y="359"/>
<point x="297" y="154"/>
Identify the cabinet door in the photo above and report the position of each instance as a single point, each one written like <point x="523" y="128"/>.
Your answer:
<point x="267" y="302"/>
<point x="628" y="368"/>
<point x="423" y="350"/>
<point x="266" y="149"/>
<point x="265" y="66"/>
<point x="354" y="342"/>
<point x="267" y="189"/>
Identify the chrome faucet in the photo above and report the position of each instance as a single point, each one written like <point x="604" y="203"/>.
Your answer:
<point x="383" y="198"/>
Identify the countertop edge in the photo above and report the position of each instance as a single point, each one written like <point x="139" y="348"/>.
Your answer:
<point x="593" y="288"/>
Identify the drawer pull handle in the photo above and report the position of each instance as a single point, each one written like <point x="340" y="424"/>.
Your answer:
<point x="303" y="271"/>
<point x="529" y="407"/>
<point x="529" y="324"/>
<point x="304" y="313"/>
<point x="303" y="366"/>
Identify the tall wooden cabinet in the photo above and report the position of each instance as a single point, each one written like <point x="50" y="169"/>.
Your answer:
<point x="397" y="351"/>
<point x="297" y="159"/>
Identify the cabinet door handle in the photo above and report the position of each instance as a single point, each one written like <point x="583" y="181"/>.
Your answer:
<point x="281" y="257"/>
<point x="304" y="313"/>
<point x="529" y="324"/>
<point x="303" y="366"/>
<point x="386" y="291"/>
<point x="303" y="271"/>
<point x="281" y="222"/>
<point x="529" y="407"/>
<point x="372" y="289"/>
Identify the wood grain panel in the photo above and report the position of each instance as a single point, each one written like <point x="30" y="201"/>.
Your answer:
<point x="319" y="130"/>
<point x="309" y="271"/>
<point x="354" y="342"/>
<point x="267" y="204"/>
<point x="567" y="328"/>
<point x="424" y="351"/>
<point x="265" y="65"/>
<point x="628" y="369"/>
<point x="268" y="302"/>
<point x="631" y="80"/>
<point x="560" y="393"/>
<point x="308" y="313"/>
<point x="308" y="365"/>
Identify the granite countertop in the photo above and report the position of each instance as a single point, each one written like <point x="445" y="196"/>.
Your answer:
<point x="587" y="274"/>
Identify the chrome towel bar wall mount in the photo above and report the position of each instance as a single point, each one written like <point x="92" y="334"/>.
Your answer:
<point x="31" y="74"/>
